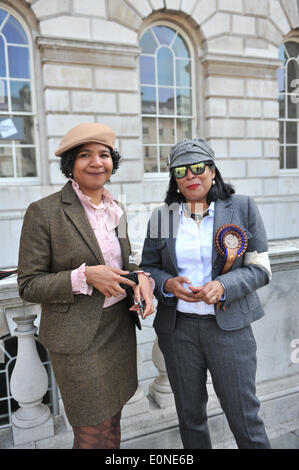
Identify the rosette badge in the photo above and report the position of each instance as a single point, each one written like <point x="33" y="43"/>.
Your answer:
<point x="231" y="243"/>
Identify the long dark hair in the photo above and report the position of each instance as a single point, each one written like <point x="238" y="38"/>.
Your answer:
<point x="68" y="158"/>
<point x="220" y="190"/>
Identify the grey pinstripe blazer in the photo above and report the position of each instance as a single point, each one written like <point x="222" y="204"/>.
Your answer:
<point x="241" y="282"/>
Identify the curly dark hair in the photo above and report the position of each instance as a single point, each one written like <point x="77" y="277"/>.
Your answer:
<point x="220" y="190"/>
<point x="68" y="158"/>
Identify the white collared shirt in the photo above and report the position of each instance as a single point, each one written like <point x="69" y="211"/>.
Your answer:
<point x="194" y="247"/>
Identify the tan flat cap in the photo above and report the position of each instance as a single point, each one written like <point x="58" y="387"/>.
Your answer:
<point x="86" y="133"/>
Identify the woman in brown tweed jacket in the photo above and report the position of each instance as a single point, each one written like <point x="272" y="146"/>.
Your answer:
<point x="74" y="250"/>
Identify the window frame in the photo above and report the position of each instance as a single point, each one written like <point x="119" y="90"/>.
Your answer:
<point x="164" y="176"/>
<point x="288" y="171"/>
<point x="25" y="180"/>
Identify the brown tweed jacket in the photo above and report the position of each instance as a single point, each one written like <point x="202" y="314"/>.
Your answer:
<point x="57" y="238"/>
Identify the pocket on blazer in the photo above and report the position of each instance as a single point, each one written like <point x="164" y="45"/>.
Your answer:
<point x="249" y="302"/>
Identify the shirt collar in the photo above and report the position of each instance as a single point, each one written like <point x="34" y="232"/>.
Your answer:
<point x="106" y="196"/>
<point x="112" y="211"/>
<point x="211" y="209"/>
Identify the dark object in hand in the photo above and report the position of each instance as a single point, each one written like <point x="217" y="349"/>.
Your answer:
<point x="4" y="274"/>
<point x="130" y="293"/>
<point x="132" y="277"/>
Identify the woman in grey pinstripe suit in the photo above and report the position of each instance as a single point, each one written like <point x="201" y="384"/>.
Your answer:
<point x="205" y="302"/>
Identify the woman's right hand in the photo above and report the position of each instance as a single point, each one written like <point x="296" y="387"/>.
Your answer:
<point x="107" y="279"/>
<point x="175" y="285"/>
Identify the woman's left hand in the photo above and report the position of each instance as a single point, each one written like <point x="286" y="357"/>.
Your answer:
<point x="144" y="290"/>
<point x="210" y="293"/>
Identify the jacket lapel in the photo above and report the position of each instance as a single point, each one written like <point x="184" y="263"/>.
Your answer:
<point x="223" y="215"/>
<point x="74" y="210"/>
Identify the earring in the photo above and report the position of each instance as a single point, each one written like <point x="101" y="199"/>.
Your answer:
<point x="213" y="182"/>
<point x="178" y="191"/>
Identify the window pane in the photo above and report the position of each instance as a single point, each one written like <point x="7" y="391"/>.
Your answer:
<point x="183" y="75"/>
<point x="293" y="106"/>
<point x="26" y="165"/>
<point x="281" y="101"/>
<point x="28" y="130"/>
<point x="3" y="96"/>
<point x="281" y="157"/>
<point x="281" y="132"/>
<point x="165" y="35"/>
<point x="14" y="32"/>
<point x="147" y="70"/>
<point x="165" y="67"/>
<point x="148" y="97"/>
<point x="292" y="74"/>
<point x="150" y="159"/>
<point x="18" y="128"/>
<point x="164" y="152"/>
<point x="291" y="137"/>
<point x="166" y="101"/>
<point x="149" y="130"/>
<point x="3" y="15"/>
<point x="20" y="96"/>
<point x="180" y="48"/>
<point x="184" y="129"/>
<point x="2" y="59"/>
<point x="166" y="131"/>
<point x="9" y="129"/>
<point x="184" y="102"/>
<point x="6" y="162"/>
<point x="18" y="59"/>
<point x="291" y="157"/>
<point x="148" y="43"/>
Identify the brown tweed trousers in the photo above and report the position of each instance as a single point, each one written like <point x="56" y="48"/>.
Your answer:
<point x="57" y="238"/>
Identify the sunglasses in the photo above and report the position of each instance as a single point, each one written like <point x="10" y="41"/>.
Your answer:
<point x="196" y="168"/>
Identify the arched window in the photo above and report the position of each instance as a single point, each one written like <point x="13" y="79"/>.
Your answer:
<point x="166" y="93"/>
<point x="288" y="82"/>
<point x="17" y="141"/>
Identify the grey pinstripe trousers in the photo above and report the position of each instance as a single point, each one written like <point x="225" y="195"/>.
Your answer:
<point x="195" y="345"/>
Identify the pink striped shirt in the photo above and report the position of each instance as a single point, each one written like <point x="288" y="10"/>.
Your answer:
<point x="103" y="219"/>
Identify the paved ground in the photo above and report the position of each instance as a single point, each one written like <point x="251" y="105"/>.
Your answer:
<point x="286" y="441"/>
<point x="64" y="440"/>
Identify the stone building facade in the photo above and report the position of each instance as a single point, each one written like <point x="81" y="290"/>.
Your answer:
<point x="234" y="82"/>
<point x="84" y="62"/>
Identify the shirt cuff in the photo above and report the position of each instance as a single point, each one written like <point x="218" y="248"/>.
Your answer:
<point x="79" y="284"/>
<point x="166" y="294"/>
<point x="223" y="297"/>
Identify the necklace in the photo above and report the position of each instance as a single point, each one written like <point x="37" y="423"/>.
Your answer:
<point x="195" y="216"/>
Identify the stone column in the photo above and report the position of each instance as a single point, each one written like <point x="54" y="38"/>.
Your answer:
<point x="28" y="385"/>
<point x="160" y="390"/>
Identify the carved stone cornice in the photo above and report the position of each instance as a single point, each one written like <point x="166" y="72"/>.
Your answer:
<point x="240" y="65"/>
<point x="284" y="254"/>
<point x="87" y="52"/>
